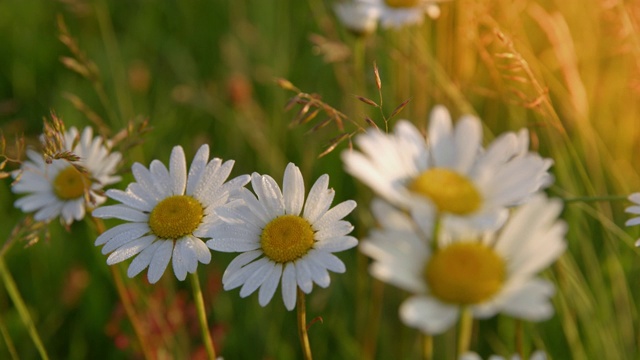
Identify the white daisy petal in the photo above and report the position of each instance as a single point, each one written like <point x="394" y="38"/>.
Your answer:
<point x="130" y="249"/>
<point x="120" y="212"/>
<point x="257" y="278"/>
<point x="339" y="228"/>
<point x="338" y="212"/>
<point x="145" y="179"/>
<point x="200" y="249"/>
<point x="269" y="194"/>
<point x="632" y="222"/>
<point x="178" y="170"/>
<point x="633" y="209"/>
<point x="35" y="201"/>
<point x="318" y="272"/>
<point x="141" y="261"/>
<point x="303" y="276"/>
<point x="329" y="261"/>
<point x="270" y="285"/>
<point x="238" y="262"/>
<point x="468" y="139"/>
<point x="531" y="301"/>
<point x="428" y="315"/>
<point x="241" y="275"/>
<point x="293" y="190"/>
<point x="336" y="244"/>
<point x="48" y="212"/>
<point x="130" y="200"/>
<point x="289" y="286"/>
<point x="184" y="257"/>
<point x="197" y="168"/>
<point x="635" y="198"/>
<point x="159" y="261"/>
<point x="118" y="230"/>
<point x="125" y="237"/>
<point x="440" y="137"/>
<point x="319" y="199"/>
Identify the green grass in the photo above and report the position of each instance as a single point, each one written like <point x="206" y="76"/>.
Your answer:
<point x="569" y="71"/>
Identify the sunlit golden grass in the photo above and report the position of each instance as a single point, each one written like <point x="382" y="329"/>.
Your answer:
<point x="205" y="72"/>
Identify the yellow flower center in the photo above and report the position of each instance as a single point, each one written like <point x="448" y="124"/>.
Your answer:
<point x="286" y="238"/>
<point x="402" y="3"/>
<point x="465" y="273"/>
<point x="70" y="184"/>
<point x="175" y="217"/>
<point x="450" y="191"/>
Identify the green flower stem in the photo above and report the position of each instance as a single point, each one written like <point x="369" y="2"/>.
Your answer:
<point x="427" y="347"/>
<point x="15" y="296"/>
<point x="126" y="301"/>
<point x="202" y="316"/>
<point x="8" y="342"/>
<point x="465" y="330"/>
<point x="586" y="199"/>
<point x="302" y="326"/>
<point x="518" y="338"/>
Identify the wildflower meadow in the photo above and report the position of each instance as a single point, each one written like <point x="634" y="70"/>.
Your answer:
<point x="328" y="179"/>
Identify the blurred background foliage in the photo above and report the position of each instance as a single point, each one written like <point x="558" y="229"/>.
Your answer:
<point x="205" y="72"/>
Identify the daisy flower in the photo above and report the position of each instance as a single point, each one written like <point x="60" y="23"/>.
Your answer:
<point x="360" y="18"/>
<point x="399" y="13"/>
<point x="486" y="272"/>
<point x="536" y="355"/>
<point x="61" y="190"/>
<point x="449" y="173"/>
<point x="635" y="210"/>
<point x="280" y="241"/>
<point x="168" y="213"/>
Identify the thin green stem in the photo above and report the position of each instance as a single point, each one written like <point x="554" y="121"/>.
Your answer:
<point x="302" y="326"/>
<point x="202" y="316"/>
<point x="427" y="347"/>
<point x="465" y="330"/>
<point x="15" y="296"/>
<point x="595" y="198"/>
<point x="518" y="338"/>
<point x="7" y="339"/>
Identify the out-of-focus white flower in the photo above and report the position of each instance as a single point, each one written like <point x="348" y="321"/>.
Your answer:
<point x="536" y="355"/>
<point x="360" y="18"/>
<point x="635" y="210"/>
<point x="489" y="273"/>
<point x="449" y="173"/>
<point x="399" y="13"/>
<point x="61" y="190"/>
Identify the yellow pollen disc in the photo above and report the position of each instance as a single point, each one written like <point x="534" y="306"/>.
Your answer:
<point x="70" y="184"/>
<point x="450" y="191"/>
<point x="465" y="273"/>
<point x="175" y="217"/>
<point x="402" y="3"/>
<point x="286" y="238"/>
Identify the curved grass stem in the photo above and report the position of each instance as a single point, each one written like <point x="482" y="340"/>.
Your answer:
<point x="465" y="330"/>
<point x="15" y="296"/>
<point x="302" y="326"/>
<point x="427" y="347"/>
<point x="202" y="316"/>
